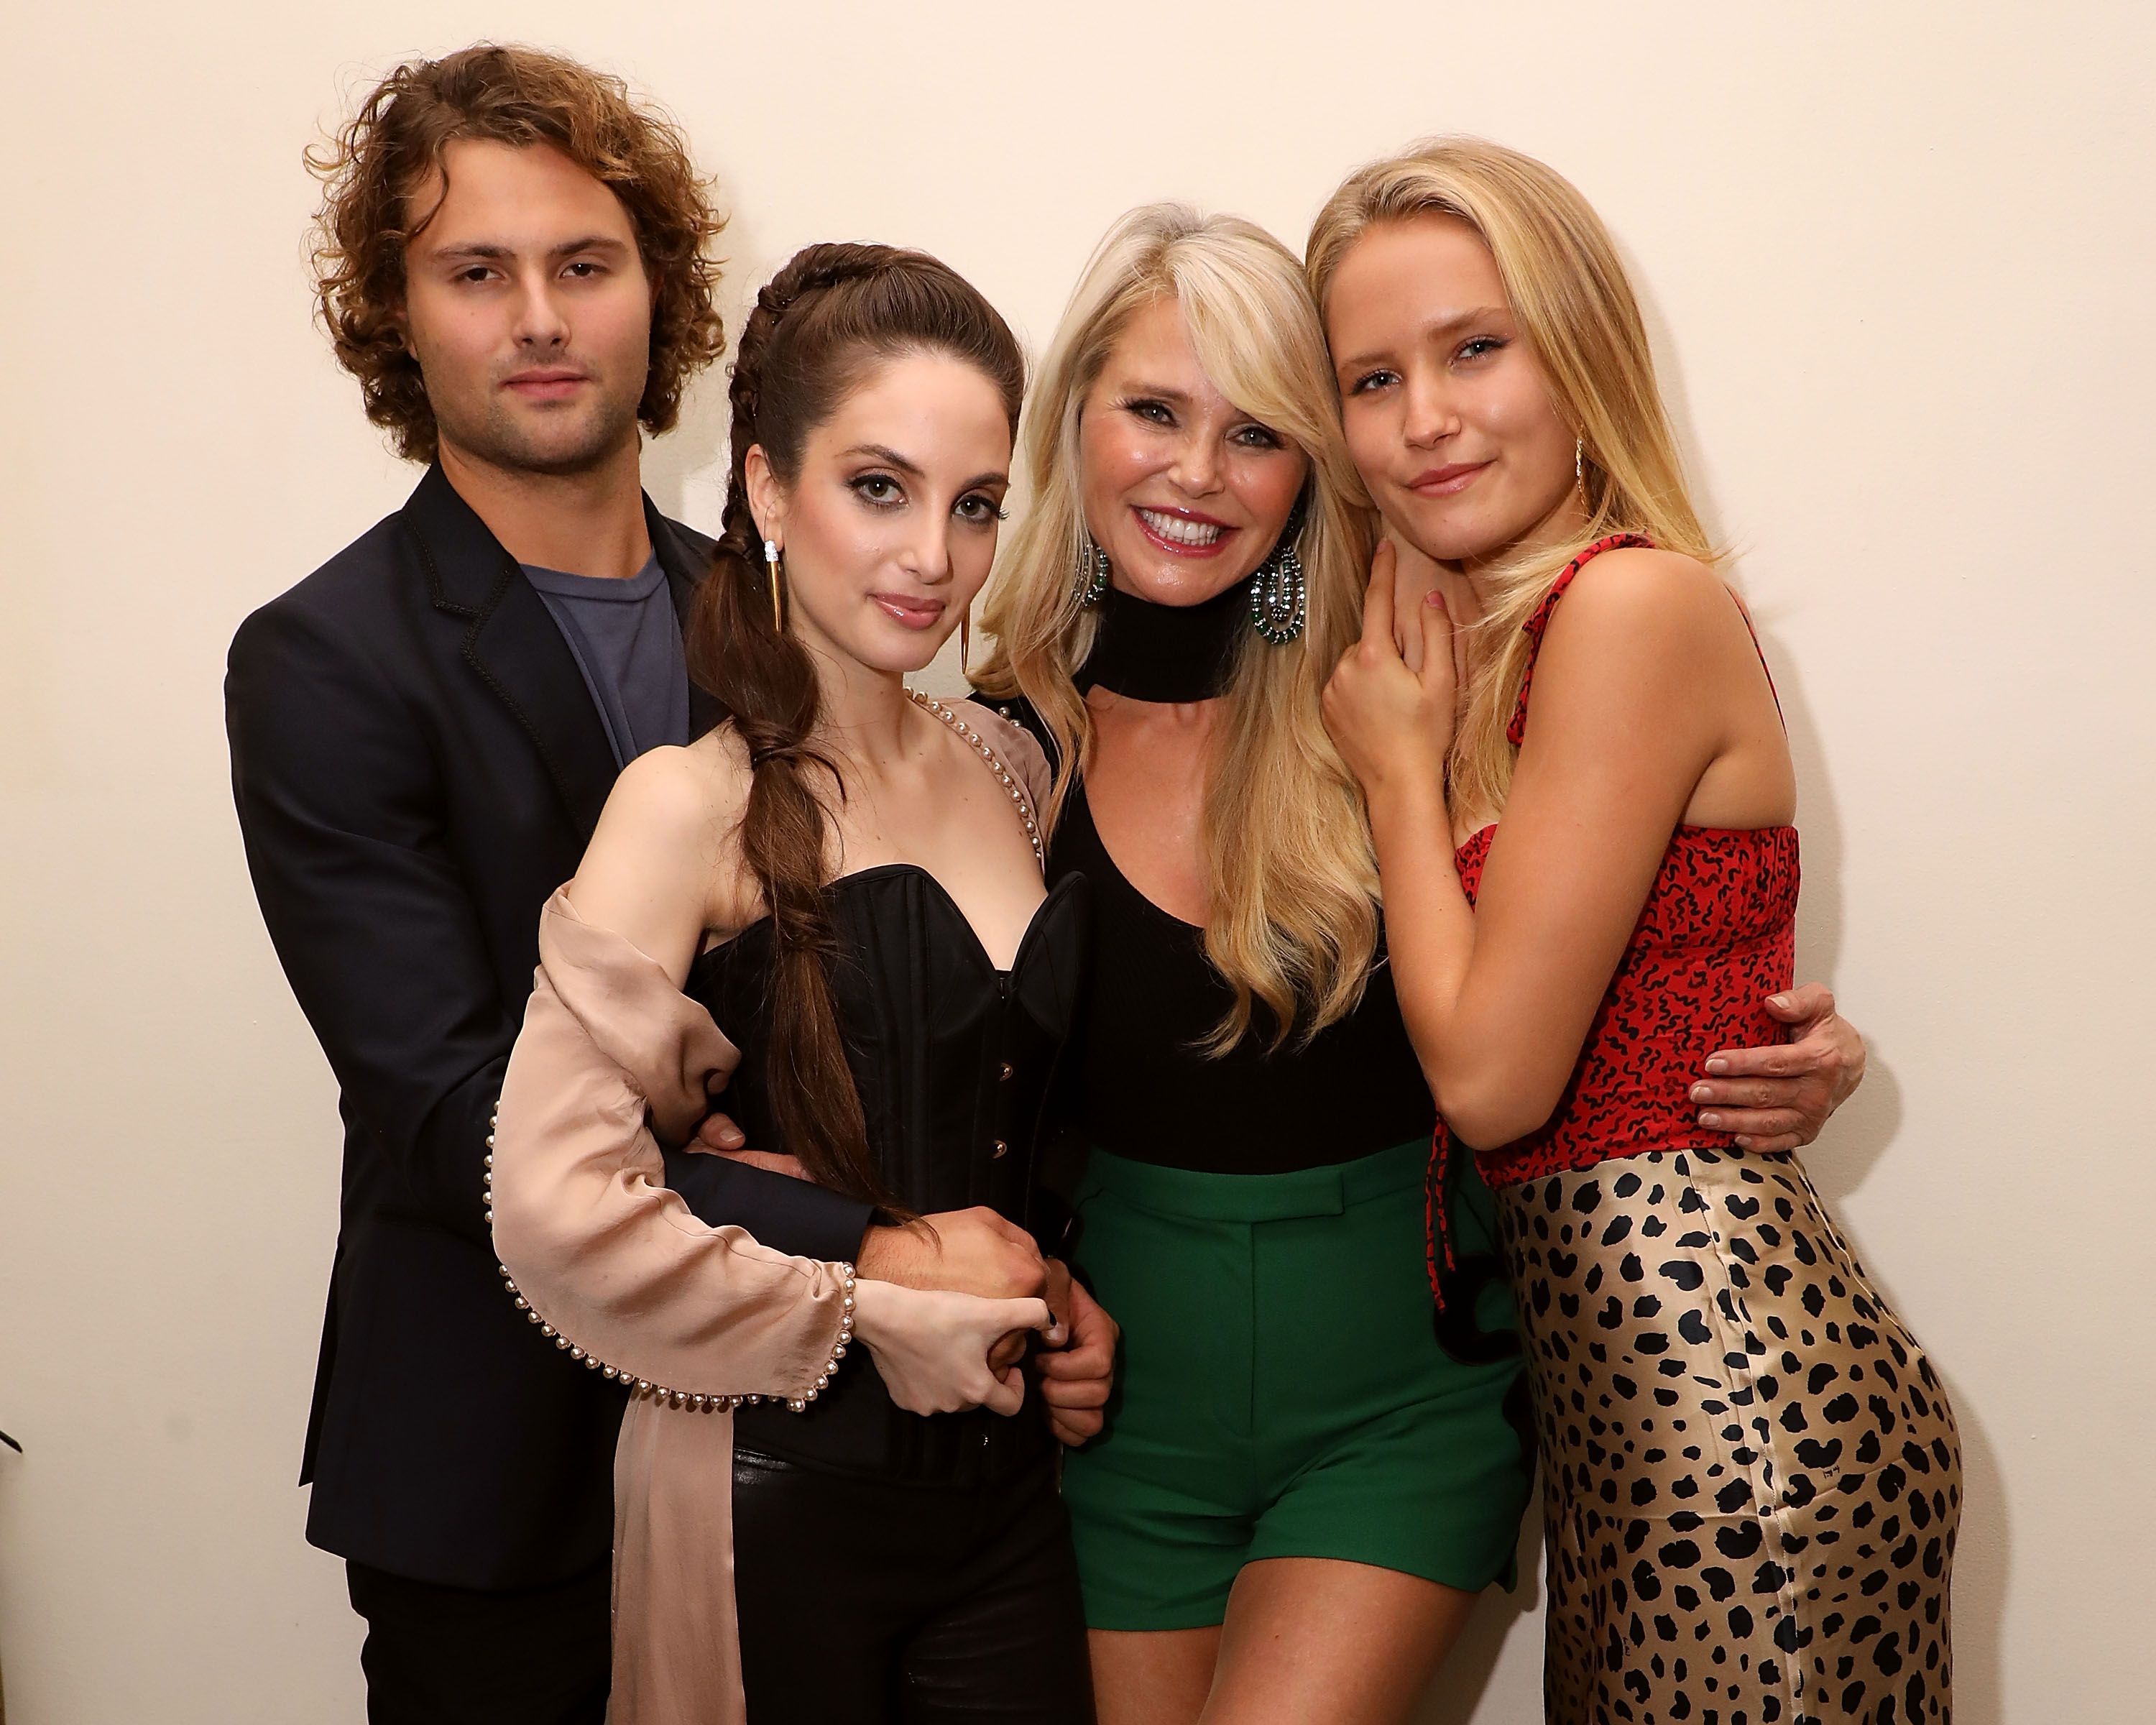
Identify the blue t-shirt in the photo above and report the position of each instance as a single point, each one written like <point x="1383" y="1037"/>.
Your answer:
<point x="627" y="642"/>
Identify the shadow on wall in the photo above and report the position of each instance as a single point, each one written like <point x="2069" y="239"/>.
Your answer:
<point x="1862" y="1130"/>
<point x="1499" y="1618"/>
<point x="1981" y="1570"/>
<point x="700" y="440"/>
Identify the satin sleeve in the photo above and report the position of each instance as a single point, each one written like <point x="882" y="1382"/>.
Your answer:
<point x="587" y="1232"/>
<point x="1015" y="745"/>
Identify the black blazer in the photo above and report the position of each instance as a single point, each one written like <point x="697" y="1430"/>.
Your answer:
<point x="417" y="764"/>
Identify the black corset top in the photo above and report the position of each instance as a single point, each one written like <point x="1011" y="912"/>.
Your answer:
<point x="953" y="1058"/>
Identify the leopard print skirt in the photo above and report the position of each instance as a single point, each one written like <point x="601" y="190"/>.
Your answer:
<point x="1751" y="1474"/>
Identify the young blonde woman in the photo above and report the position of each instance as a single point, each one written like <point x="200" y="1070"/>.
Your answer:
<point x="1582" y="797"/>
<point x="1299" y="1491"/>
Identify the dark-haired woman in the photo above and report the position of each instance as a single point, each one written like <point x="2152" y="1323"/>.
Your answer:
<point x="845" y="878"/>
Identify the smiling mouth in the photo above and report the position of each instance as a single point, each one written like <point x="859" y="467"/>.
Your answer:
<point x="1444" y="481"/>
<point x="1185" y="535"/>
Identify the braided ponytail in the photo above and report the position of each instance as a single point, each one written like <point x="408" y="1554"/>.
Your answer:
<point x="818" y="328"/>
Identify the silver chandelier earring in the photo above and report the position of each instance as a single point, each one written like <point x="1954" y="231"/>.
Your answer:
<point x="1280" y="597"/>
<point x="1091" y="573"/>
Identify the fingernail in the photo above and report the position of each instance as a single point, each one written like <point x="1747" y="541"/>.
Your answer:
<point x="1742" y="1142"/>
<point x="1709" y="1118"/>
<point x="1781" y="1003"/>
<point x="1702" y="1093"/>
<point x="1433" y="597"/>
<point x="1717" y="1065"/>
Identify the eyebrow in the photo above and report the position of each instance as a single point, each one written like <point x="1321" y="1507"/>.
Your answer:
<point x="1157" y="392"/>
<point x="493" y="250"/>
<point x="1437" y="326"/>
<point x="891" y="458"/>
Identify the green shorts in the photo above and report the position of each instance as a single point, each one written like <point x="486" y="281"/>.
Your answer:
<point x="1281" y="1392"/>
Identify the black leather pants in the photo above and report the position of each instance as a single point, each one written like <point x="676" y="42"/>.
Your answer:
<point x="864" y="1600"/>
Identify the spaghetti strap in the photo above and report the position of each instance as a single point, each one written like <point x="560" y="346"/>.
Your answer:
<point x="1537" y="625"/>
<point x="1744" y="612"/>
<point x="1534" y="627"/>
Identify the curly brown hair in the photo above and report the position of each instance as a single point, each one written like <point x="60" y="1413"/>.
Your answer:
<point x="520" y="96"/>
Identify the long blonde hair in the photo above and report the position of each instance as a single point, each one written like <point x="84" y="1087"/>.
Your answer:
<point x="1576" y="307"/>
<point x="1292" y="880"/>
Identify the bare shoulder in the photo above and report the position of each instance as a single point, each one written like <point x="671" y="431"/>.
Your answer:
<point x="1641" y="600"/>
<point x="673" y="796"/>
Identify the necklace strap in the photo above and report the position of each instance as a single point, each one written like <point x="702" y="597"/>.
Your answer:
<point x="1009" y="781"/>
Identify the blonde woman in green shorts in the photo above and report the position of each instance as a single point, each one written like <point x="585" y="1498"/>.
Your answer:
<point x="1302" y="1487"/>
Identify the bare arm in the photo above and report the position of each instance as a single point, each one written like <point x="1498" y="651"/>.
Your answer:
<point x="662" y="867"/>
<point x="1641" y="666"/>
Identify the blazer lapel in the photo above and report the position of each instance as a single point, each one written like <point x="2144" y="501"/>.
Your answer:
<point x="512" y="644"/>
<point x="686" y="558"/>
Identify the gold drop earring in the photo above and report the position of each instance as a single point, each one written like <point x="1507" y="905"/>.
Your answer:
<point x="775" y="575"/>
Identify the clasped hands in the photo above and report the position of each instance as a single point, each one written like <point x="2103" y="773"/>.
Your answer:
<point x="979" y="1253"/>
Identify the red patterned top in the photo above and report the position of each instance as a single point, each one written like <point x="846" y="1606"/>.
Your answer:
<point x="1716" y="937"/>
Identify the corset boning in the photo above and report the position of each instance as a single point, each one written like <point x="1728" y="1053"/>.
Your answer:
<point x="952" y="1060"/>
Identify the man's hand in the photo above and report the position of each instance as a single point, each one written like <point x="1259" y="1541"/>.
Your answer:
<point x="1010" y="1349"/>
<point x="973" y="1252"/>
<point x="719" y="1136"/>
<point x="1076" y="1379"/>
<point x="1779" y="1098"/>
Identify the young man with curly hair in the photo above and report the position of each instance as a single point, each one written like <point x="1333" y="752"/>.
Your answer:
<point x="514" y="261"/>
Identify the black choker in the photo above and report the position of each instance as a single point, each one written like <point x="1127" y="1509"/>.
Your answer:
<point x="1166" y="653"/>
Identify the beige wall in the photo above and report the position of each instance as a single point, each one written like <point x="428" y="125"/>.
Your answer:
<point x="1897" y="261"/>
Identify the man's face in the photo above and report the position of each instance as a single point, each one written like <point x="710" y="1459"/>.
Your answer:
<point x="528" y="309"/>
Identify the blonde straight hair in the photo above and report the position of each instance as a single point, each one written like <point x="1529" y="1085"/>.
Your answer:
<point x="1292" y="879"/>
<point x="1576" y="308"/>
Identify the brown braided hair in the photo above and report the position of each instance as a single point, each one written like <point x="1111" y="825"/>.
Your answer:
<point x="819" y="327"/>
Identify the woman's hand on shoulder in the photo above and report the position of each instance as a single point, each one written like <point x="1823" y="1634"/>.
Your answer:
<point x="649" y="872"/>
<point x="1393" y="724"/>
